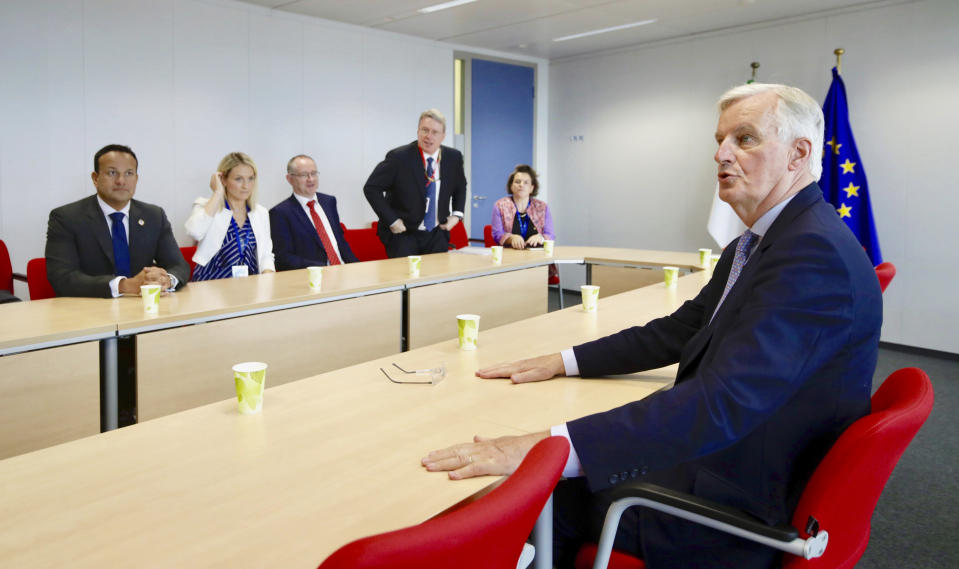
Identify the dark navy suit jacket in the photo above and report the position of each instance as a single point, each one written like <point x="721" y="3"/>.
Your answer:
<point x="295" y="242"/>
<point x="762" y="391"/>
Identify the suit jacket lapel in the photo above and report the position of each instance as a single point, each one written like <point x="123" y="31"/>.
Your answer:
<point x="101" y="230"/>
<point x="698" y="344"/>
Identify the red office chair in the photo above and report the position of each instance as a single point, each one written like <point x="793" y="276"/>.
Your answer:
<point x="488" y="236"/>
<point x="188" y="253"/>
<point x="365" y="243"/>
<point x="458" y="236"/>
<point x="37" y="283"/>
<point x="839" y="498"/>
<point x="885" y="271"/>
<point x="6" y="269"/>
<point x="489" y="533"/>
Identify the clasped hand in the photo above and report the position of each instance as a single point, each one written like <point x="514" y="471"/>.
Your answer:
<point x="149" y="275"/>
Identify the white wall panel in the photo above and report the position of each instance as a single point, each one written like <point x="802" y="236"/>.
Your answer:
<point x="644" y="176"/>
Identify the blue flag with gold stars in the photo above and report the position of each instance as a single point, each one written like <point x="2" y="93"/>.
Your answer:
<point x="843" y="179"/>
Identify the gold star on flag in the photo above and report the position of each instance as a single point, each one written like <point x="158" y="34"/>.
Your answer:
<point x="844" y="211"/>
<point x="851" y="190"/>
<point x="848" y="167"/>
<point x="835" y="146"/>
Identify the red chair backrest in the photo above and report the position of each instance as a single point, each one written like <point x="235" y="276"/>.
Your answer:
<point x="488" y="236"/>
<point x="37" y="282"/>
<point x="488" y="533"/>
<point x="885" y="272"/>
<point x="458" y="236"/>
<point x="188" y="253"/>
<point x="365" y="244"/>
<point x="846" y="485"/>
<point x="6" y="269"/>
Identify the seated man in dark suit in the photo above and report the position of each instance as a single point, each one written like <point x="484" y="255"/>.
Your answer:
<point x="110" y="244"/>
<point x="412" y="188"/>
<point x="776" y="356"/>
<point x="305" y="235"/>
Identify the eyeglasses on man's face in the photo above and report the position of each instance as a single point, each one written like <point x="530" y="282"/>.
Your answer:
<point x="306" y="175"/>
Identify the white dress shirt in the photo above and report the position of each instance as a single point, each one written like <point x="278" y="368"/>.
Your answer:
<point x="326" y="222"/>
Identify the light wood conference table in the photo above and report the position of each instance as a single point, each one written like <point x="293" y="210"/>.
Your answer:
<point x="331" y="458"/>
<point x="153" y="365"/>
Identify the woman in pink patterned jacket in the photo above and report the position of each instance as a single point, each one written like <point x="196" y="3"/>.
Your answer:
<point x="520" y="221"/>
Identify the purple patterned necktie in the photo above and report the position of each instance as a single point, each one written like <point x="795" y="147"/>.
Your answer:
<point x="746" y="243"/>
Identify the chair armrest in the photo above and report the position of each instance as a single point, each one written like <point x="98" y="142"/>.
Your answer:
<point x="704" y="512"/>
<point x="703" y="507"/>
<point x="20" y="277"/>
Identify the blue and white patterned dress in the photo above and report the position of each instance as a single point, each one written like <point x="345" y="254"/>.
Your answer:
<point x="238" y="248"/>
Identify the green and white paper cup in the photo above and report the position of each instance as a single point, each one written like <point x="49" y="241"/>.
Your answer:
<point x="468" y="326"/>
<point x="670" y="276"/>
<point x="316" y="277"/>
<point x="415" y="261"/>
<point x="497" y="254"/>
<point x="548" y="247"/>
<point x="713" y="261"/>
<point x="250" y="378"/>
<point x="151" y="298"/>
<point x="704" y="257"/>
<point x="590" y="295"/>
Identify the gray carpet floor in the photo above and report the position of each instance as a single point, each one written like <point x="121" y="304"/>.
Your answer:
<point x="916" y="522"/>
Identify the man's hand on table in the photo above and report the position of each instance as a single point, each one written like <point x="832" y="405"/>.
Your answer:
<point x="523" y="371"/>
<point x="484" y="456"/>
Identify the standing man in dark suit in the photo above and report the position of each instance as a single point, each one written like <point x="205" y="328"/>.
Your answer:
<point x="111" y="244"/>
<point x="411" y="191"/>
<point x="305" y="235"/>
<point x="776" y="356"/>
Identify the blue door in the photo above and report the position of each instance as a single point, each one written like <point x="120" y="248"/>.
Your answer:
<point x="501" y="133"/>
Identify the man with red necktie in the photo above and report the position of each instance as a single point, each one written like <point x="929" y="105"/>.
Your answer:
<point x="412" y="188"/>
<point x="306" y="227"/>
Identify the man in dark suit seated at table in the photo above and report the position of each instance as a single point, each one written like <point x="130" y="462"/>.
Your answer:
<point x="306" y="227"/>
<point x="110" y="244"/>
<point x="776" y="356"/>
<point x="412" y="188"/>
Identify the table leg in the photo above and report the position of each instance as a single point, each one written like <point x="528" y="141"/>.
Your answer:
<point x="108" y="385"/>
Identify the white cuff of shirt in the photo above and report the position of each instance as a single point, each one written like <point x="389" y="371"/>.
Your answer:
<point x="569" y="362"/>
<point x="573" y="467"/>
<point x="115" y="285"/>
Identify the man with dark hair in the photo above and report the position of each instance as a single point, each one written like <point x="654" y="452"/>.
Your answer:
<point x="412" y="188"/>
<point x="776" y="356"/>
<point x="109" y="244"/>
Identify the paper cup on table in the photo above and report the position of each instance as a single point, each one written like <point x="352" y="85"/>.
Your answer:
<point x="316" y="277"/>
<point x="713" y="261"/>
<point x="590" y="295"/>
<point x="497" y="254"/>
<point x="704" y="257"/>
<point x="151" y="298"/>
<point x="468" y="326"/>
<point x="240" y="271"/>
<point x="548" y="247"/>
<point x="415" y="261"/>
<point x="670" y="276"/>
<point x="250" y="378"/>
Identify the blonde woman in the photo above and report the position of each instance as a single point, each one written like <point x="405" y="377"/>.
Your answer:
<point x="232" y="230"/>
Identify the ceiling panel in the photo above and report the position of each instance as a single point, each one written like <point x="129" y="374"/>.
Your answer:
<point x="528" y="27"/>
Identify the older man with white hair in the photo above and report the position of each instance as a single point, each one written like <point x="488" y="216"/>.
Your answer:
<point x="776" y="356"/>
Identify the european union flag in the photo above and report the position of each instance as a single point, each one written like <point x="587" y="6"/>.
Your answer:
<point x="843" y="179"/>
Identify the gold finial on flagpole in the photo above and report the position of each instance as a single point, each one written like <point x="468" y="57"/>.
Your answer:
<point x="755" y="66"/>
<point x="839" y="51"/>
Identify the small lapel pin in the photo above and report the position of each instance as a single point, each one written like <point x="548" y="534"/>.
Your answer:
<point x="141" y="223"/>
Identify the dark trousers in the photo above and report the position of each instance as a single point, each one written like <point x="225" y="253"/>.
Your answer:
<point x="578" y="518"/>
<point x="415" y="242"/>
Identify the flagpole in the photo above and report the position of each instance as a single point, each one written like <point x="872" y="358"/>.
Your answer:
<point x="839" y="51"/>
